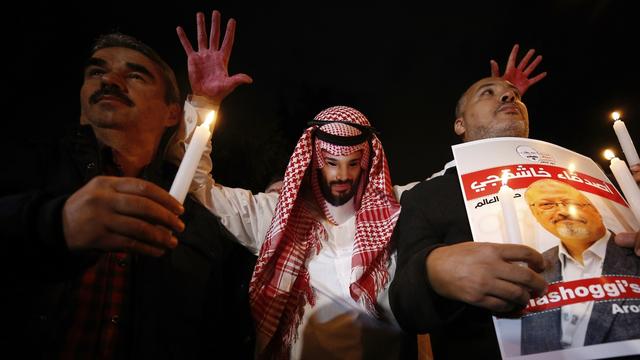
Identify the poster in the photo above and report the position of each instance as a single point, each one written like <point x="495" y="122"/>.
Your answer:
<point x="569" y="211"/>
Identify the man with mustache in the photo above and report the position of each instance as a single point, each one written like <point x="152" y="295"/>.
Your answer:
<point x="586" y="250"/>
<point x="99" y="261"/>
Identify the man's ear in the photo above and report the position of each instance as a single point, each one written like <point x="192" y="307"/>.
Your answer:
<point x="458" y="126"/>
<point x="175" y="114"/>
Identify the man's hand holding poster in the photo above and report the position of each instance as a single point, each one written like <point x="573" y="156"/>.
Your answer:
<point x="569" y="211"/>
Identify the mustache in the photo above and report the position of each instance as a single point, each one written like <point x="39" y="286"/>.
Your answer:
<point x="340" y="182"/>
<point x="562" y="217"/>
<point x="108" y="90"/>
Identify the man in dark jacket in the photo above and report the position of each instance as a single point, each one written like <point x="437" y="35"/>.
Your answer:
<point x="446" y="284"/>
<point x="99" y="261"/>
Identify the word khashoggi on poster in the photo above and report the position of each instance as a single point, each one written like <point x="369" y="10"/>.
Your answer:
<point x="560" y="203"/>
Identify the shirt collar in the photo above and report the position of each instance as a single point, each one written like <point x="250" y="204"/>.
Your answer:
<point x="447" y="166"/>
<point x="450" y="164"/>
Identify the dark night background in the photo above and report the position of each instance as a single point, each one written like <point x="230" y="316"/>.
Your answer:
<point x="401" y="65"/>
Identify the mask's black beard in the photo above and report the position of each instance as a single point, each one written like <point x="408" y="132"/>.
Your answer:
<point x="341" y="199"/>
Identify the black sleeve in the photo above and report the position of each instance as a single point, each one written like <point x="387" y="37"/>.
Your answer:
<point x="415" y="305"/>
<point x="32" y="223"/>
<point x="31" y="203"/>
<point x="33" y="240"/>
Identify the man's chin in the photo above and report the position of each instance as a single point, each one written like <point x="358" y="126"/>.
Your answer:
<point x="337" y="200"/>
<point x="574" y="232"/>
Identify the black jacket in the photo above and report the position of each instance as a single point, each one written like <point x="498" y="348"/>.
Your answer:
<point x="433" y="215"/>
<point x="190" y="303"/>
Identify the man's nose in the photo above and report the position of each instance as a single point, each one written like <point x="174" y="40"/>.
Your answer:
<point x="113" y="79"/>
<point x="342" y="173"/>
<point x="564" y="209"/>
<point x="508" y="97"/>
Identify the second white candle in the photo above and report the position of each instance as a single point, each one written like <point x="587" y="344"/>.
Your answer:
<point x="627" y="184"/>
<point x="509" y="214"/>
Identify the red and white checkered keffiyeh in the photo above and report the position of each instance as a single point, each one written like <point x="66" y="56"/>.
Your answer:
<point x="280" y="285"/>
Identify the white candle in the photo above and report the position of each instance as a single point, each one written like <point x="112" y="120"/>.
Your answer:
<point x="189" y="163"/>
<point x="626" y="182"/>
<point x="626" y="143"/>
<point x="505" y="195"/>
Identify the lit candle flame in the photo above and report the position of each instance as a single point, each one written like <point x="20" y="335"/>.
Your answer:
<point x="608" y="154"/>
<point x="615" y="115"/>
<point x="210" y="118"/>
<point x="572" y="168"/>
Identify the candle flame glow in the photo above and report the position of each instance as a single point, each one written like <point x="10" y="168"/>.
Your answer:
<point x="608" y="154"/>
<point x="573" y="211"/>
<point x="505" y="178"/>
<point x="615" y="115"/>
<point x="210" y="118"/>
